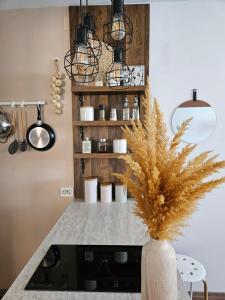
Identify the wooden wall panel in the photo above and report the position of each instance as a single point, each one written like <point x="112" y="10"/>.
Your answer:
<point x="138" y="54"/>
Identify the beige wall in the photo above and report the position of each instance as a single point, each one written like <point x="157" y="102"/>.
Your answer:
<point x="30" y="182"/>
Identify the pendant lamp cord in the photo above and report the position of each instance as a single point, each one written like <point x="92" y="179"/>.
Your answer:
<point x="80" y="10"/>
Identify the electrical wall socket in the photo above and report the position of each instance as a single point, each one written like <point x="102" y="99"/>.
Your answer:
<point x="66" y="191"/>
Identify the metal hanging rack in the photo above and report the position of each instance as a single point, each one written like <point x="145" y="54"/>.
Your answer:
<point x="21" y="103"/>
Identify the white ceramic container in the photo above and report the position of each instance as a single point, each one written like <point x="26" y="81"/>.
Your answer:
<point x="158" y="271"/>
<point x="106" y="192"/>
<point x="120" y="146"/>
<point x="90" y="189"/>
<point x="86" y="113"/>
<point x="120" y="193"/>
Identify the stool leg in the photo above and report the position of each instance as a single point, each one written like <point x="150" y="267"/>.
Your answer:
<point x="191" y="291"/>
<point x="206" y="296"/>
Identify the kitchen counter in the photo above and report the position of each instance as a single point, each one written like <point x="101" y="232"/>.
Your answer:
<point x="94" y="224"/>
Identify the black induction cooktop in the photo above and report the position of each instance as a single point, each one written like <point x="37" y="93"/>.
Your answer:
<point x="89" y="268"/>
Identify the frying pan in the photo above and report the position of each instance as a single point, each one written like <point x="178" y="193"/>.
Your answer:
<point x="40" y="136"/>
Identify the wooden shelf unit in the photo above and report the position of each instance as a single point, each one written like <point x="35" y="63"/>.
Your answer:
<point x="102" y="123"/>
<point x="96" y="155"/>
<point x="103" y="165"/>
<point x="80" y="89"/>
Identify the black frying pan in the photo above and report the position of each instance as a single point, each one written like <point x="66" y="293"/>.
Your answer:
<point x="40" y="136"/>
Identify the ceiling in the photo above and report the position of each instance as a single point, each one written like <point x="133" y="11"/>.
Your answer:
<point x="13" y="4"/>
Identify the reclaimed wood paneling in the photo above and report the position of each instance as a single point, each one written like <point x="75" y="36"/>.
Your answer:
<point x="138" y="54"/>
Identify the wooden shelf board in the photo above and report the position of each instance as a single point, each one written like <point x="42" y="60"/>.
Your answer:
<point x="96" y="155"/>
<point x="77" y="89"/>
<point x="101" y="123"/>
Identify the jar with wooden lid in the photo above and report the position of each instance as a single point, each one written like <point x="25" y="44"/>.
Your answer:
<point x="90" y="189"/>
<point x="106" y="192"/>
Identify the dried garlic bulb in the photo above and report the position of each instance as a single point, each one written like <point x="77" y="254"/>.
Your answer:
<point x="56" y="97"/>
<point x="56" y="83"/>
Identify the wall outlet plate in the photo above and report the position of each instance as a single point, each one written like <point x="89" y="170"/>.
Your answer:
<point x="66" y="192"/>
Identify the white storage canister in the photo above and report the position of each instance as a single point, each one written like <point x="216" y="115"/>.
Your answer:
<point x="86" y="113"/>
<point x="106" y="192"/>
<point x="90" y="189"/>
<point x="120" y="193"/>
<point x="120" y="146"/>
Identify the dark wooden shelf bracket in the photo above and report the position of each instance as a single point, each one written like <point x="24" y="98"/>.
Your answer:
<point x="81" y="99"/>
<point x="82" y="162"/>
<point x="82" y="133"/>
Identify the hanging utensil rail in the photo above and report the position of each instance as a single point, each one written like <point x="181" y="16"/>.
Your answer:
<point x="21" y="103"/>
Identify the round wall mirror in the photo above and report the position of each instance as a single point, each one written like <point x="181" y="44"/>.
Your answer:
<point x="203" y="119"/>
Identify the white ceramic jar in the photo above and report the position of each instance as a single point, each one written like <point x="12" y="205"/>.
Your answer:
<point x="106" y="192"/>
<point x="90" y="189"/>
<point x="120" y="193"/>
<point x="86" y="113"/>
<point x="120" y="146"/>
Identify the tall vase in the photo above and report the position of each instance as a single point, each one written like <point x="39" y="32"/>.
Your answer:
<point x="158" y="271"/>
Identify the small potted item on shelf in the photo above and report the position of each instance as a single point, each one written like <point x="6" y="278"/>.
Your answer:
<point x="113" y="114"/>
<point x="86" y="145"/>
<point x="106" y="192"/>
<point x="86" y="113"/>
<point x="120" y="146"/>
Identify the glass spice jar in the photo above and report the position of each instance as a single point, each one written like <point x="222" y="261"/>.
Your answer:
<point x="86" y="145"/>
<point x="102" y="145"/>
<point x="126" y="110"/>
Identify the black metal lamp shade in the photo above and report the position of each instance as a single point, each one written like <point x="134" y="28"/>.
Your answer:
<point x="119" y="29"/>
<point x="92" y="37"/>
<point x="118" y="75"/>
<point x="80" y="62"/>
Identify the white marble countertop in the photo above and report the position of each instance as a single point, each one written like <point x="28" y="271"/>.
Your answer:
<point x="81" y="223"/>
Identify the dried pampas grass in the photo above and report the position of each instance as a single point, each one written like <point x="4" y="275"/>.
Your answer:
<point x="165" y="185"/>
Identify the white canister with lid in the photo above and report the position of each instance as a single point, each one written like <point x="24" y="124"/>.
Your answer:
<point x="106" y="192"/>
<point x="120" y="146"/>
<point x="120" y="193"/>
<point x="90" y="189"/>
<point x="86" y="113"/>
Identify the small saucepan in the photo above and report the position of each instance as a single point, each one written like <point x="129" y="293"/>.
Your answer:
<point x="6" y="128"/>
<point x="40" y="136"/>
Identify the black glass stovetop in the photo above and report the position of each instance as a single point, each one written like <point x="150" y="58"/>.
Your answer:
<point x="89" y="268"/>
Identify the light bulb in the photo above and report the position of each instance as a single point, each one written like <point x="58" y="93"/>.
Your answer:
<point x="118" y="27"/>
<point x="116" y="77"/>
<point x="81" y="58"/>
<point x="118" y="71"/>
<point x="90" y="38"/>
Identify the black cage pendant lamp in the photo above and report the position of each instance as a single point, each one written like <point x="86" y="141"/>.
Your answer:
<point x="118" y="75"/>
<point x="119" y="29"/>
<point x="80" y="62"/>
<point x="92" y="37"/>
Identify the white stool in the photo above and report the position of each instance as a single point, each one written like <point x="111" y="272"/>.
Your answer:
<point x="192" y="271"/>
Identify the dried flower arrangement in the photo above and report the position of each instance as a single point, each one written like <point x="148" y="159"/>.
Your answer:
<point x="165" y="184"/>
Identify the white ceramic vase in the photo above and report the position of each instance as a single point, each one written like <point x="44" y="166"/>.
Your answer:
<point x="158" y="271"/>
